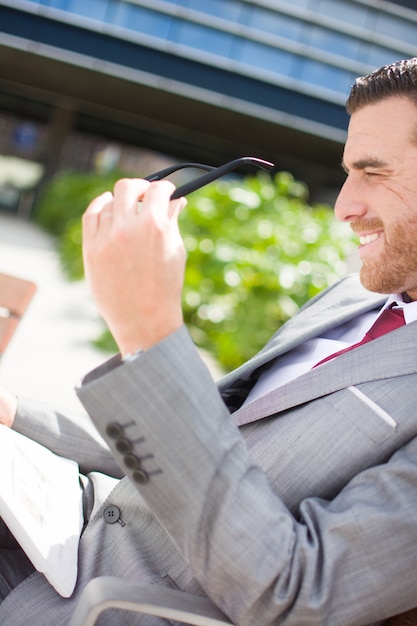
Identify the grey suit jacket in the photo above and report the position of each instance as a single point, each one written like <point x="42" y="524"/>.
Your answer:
<point x="300" y="509"/>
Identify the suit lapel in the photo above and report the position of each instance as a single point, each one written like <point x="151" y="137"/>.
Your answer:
<point x="336" y="305"/>
<point x="389" y="356"/>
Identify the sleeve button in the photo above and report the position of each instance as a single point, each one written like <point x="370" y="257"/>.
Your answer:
<point x="140" y="476"/>
<point x="114" y="430"/>
<point x="123" y="445"/>
<point x="131" y="461"/>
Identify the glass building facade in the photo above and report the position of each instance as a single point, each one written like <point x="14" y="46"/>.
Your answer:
<point x="312" y="45"/>
<point x="288" y="63"/>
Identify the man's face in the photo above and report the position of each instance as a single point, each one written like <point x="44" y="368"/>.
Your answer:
<point x="379" y="196"/>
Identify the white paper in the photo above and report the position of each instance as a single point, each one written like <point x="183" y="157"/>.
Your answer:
<point x="41" y="503"/>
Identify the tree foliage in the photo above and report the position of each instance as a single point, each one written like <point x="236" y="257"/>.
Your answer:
<point x="257" y="251"/>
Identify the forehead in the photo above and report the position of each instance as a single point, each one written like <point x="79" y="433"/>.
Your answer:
<point x="383" y="129"/>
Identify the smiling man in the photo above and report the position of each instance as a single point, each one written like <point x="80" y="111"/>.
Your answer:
<point x="379" y="197"/>
<point x="287" y="493"/>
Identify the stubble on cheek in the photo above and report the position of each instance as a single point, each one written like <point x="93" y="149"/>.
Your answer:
<point x="394" y="270"/>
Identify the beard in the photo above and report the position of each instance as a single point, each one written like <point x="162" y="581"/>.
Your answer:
<point x="395" y="269"/>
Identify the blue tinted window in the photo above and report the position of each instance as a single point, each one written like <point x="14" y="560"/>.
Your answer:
<point x="345" y="11"/>
<point x="396" y="28"/>
<point x="202" y="38"/>
<point x="229" y="9"/>
<point x="142" y="20"/>
<point x="270" y="22"/>
<point x="333" y="42"/>
<point x="377" y="56"/>
<point x="93" y="8"/>
<point x="304" y="4"/>
<point x="265" y="57"/>
<point x="181" y="3"/>
<point x="320" y="74"/>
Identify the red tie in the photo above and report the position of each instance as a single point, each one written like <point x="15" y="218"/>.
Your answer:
<point x="390" y="319"/>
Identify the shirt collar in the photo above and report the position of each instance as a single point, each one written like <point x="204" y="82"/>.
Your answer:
<point x="409" y="308"/>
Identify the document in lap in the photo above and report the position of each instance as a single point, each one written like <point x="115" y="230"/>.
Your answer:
<point x="41" y="503"/>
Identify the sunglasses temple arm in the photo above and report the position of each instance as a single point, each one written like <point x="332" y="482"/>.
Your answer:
<point x="174" y="168"/>
<point x="217" y="173"/>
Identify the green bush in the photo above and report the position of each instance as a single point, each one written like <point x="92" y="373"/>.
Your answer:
<point x="65" y="199"/>
<point x="60" y="208"/>
<point x="256" y="252"/>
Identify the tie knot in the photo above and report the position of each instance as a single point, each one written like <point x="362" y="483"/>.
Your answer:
<point x="390" y="319"/>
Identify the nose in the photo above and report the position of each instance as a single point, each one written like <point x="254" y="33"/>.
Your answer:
<point x="349" y="203"/>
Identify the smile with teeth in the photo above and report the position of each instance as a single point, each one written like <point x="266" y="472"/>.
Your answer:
<point x="364" y="239"/>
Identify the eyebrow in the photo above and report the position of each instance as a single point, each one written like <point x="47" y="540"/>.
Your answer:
<point x="364" y="163"/>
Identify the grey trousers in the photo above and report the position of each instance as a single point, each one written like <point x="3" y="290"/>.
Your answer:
<point x="14" y="564"/>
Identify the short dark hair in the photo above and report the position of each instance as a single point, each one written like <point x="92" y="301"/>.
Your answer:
<point x="397" y="79"/>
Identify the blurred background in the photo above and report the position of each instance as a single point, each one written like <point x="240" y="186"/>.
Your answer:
<point x="94" y="89"/>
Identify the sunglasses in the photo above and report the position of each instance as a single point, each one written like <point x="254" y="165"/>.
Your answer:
<point x="213" y="173"/>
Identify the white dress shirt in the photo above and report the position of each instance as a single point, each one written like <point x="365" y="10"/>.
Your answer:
<point x="305" y="356"/>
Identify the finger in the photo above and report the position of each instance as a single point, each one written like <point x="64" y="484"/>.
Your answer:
<point x="127" y="194"/>
<point x="157" y="198"/>
<point x="96" y="209"/>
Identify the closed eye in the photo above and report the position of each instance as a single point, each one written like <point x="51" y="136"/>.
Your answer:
<point x="375" y="175"/>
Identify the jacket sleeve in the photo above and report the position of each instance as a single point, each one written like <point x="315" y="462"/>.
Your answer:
<point x="73" y="437"/>
<point x="332" y="562"/>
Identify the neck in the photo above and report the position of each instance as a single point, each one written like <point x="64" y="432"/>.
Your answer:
<point x="407" y="297"/>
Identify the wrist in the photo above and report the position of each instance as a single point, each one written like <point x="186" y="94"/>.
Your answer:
<point x="131" y="356"/>
<point x="130" y="345"/>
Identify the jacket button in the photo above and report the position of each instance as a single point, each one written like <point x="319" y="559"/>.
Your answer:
<point x="131" y="461"/>
<point x="111" y="514"/>
<point x="140" y="476"/>
<point x="114" y="430"/>
<point x="123" y="445"/>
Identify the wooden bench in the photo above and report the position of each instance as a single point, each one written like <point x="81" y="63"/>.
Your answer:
<point x="15" y="296"/>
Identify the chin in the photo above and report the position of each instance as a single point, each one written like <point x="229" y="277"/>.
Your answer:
<point x="375" y="282"/>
